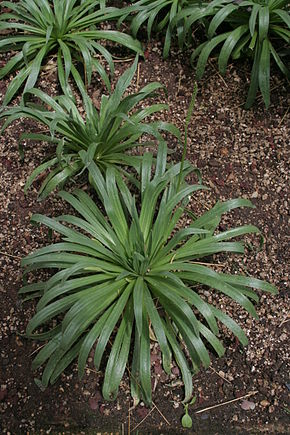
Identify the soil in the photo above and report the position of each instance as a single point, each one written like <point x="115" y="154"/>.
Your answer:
<point x="241" y="154"/>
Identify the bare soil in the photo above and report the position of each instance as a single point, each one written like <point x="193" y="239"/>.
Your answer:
<point x="240" y="153"/>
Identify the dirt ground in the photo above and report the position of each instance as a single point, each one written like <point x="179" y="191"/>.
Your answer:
<point x="240" y="153"/>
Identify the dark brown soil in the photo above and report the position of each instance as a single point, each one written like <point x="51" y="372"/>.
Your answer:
<point x="241" y="153"/>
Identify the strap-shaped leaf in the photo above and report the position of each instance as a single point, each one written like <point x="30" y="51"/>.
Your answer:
<point x="219" y="17"/>
<point x="119" y="355"/>
<point x="138" y="302"/>
<point x="253" y="18"/>
<point x="46" y="352"/>
<point x="254" y="78"/>
<point x="264" y="18"/>
<point x="228" y="47"/>
<point x="158" y="329"/>
<point x="206" y="51"/>
<point x="212" y="339"/>
<point x="279" y="62"/>
<point x="264" y="72"/>
<point x="145" y="363"/>
<point x="174" y="284"/>
<point x="180" y="359"/>
<point x="90" y="339"/>
<point x="284" y="15"/>
<point x="110" y="324"/>
<point x="65" y="361"/>
<point x="135" y="374"/>
<point x="231" y="325"/>
<point x="66" y="57"/>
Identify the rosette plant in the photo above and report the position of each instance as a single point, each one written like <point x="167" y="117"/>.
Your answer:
<point x="105" y="133"/>
<point x="66" y="30"/>
<point x="132" y="274"/>
<point x="256" y="28"/>
<point x="159" y="15"/>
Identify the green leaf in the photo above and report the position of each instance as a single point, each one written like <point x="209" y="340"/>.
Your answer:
<point x="158" y="329"/>
<point x="35" y="68"/>
<point x="228" y="47"/>
<point x="264" y="19"/>
<point x="279" y="62"/>
<point x="119" y="354"/>
<point x="219" y="17"/>
<point x="186" y="421"/>
<point x="253" y="18"/>
<point x="205" y="52"/>
<point x="15" y="84"/>
<point x="145" y="363"/>
<point x="180" y="359"/>
<point x="66" y="57"/>
<point x="264" y="72"/>
<point x="110" y="324"/>
<point x="138" y="303"/>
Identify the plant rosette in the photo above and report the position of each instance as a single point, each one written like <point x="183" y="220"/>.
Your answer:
<point x="258" y="29"/>
<point x="67" y="31"/>
<point x="105" y="134"/>
<point x="159" y="15"/>
<point x="133" y="270"/>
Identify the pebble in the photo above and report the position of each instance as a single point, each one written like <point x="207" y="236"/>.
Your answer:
<point x="3" y="393"/>
<point x="264" y="403"/>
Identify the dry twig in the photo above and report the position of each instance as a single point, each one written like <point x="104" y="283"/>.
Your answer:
<point x="143" y="419"/>
<point x="222" y="377"/>
<point x="5" y="254"/>
<point x="252" y="393"/>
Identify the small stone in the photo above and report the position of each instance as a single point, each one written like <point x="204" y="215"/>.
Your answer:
<point x="264" y="403"/>
<point x="3" y="393"/>
<point x="255" y="195"/>
<point x="235" y="418"/>
<point x="247" y="405"/>
<point x="175" y="371"/>
<point x="94" y="403"/>
<point x="271" y="409"/>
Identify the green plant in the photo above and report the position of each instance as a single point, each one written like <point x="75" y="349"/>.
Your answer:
<point x="65" y="30"/>
<point x="159" y="14"/>
<point x="257" y="28"/>
<point x="105" y="133"/>
<point x="131" y="268"/>
<point x="186" y="420"/>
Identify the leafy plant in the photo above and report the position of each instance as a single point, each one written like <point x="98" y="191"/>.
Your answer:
<point x="159" y="15"/>
<point x="65" y="30"/>
<point x="134" y="272"/>
<point x="105" y="133"/>
<point x="186" y="420"/>
<point x="257" y="28"/>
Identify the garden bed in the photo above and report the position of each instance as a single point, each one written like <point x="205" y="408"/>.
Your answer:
<point x="241" y="154"/>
